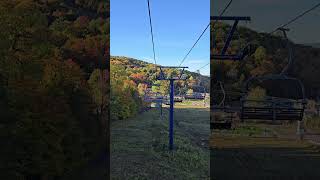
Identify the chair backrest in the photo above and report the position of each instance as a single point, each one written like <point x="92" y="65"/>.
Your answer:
<point x="277" y="86"/>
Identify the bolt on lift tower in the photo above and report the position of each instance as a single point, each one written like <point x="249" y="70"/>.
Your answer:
<point x="171" y="79"/>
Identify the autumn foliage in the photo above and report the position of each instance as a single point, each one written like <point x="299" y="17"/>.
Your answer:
<point x="131" y="78"/>
<point x="54" y="87"/>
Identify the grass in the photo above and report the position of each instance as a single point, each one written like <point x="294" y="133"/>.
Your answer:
<point x="139" y="146"/>
<point x="238" y="155"/>
<point x="193" y="103"/>
<point x="246" y="130"/>
<point x="312" y="122"/>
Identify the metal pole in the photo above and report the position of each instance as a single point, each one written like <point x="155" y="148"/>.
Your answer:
<point x="171" y="114"/>
<point x="229" y="38"/>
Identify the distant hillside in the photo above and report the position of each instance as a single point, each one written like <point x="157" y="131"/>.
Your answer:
<point x="268" y="56"/>
<point x="139" y="65"/>
<point x="131" y="80"/>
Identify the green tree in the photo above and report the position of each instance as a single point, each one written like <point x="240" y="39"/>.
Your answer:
<point x="190" y="91"/>
<point x="260" y="55"/>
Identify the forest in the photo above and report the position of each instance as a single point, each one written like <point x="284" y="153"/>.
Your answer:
<point x="131" y="77"/>
<point x="53" y="86"/>
<point x="268" y="55"/>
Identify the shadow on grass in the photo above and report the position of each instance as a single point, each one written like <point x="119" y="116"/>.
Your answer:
<point x="264" y="163"/>
<point x="95" y="169"/>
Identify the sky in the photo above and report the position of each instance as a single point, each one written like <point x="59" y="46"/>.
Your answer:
<point x="266" y="15"/>
<point x="176" y="24"/>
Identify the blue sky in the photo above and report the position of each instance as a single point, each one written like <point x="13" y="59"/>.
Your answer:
<point x="177" y="25"/>
<point x="266" y="15"/>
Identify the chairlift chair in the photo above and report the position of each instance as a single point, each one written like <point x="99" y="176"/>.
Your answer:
<point x="286" y="96"/>
<point x="199" y="92"/>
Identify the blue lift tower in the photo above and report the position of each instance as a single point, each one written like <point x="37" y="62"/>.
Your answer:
<point x="162" y="76"/>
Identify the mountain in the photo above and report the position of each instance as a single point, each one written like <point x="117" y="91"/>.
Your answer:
<point x="138" y="65"/>
<point x="131" y="79"/>
<point x="268" y="55"/>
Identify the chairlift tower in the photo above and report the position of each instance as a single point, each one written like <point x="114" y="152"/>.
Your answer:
<point x="223" y="55"/>
<point x="162" y="77"/>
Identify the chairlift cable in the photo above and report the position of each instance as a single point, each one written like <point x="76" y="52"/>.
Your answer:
<point x="152" y="36"/>
<point x="203" y="66"/>
<point x="296" y="18"/>
<point x="284" y="71"/>
<point x="185" y="57"/>
<point x="224" y="10"/>
<point x="288" y="23"/>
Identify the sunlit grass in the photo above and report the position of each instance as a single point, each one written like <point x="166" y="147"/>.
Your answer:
<point x="139" y="146"/>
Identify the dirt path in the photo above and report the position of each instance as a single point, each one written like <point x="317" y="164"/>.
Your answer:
<point x="139" y="146"/>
